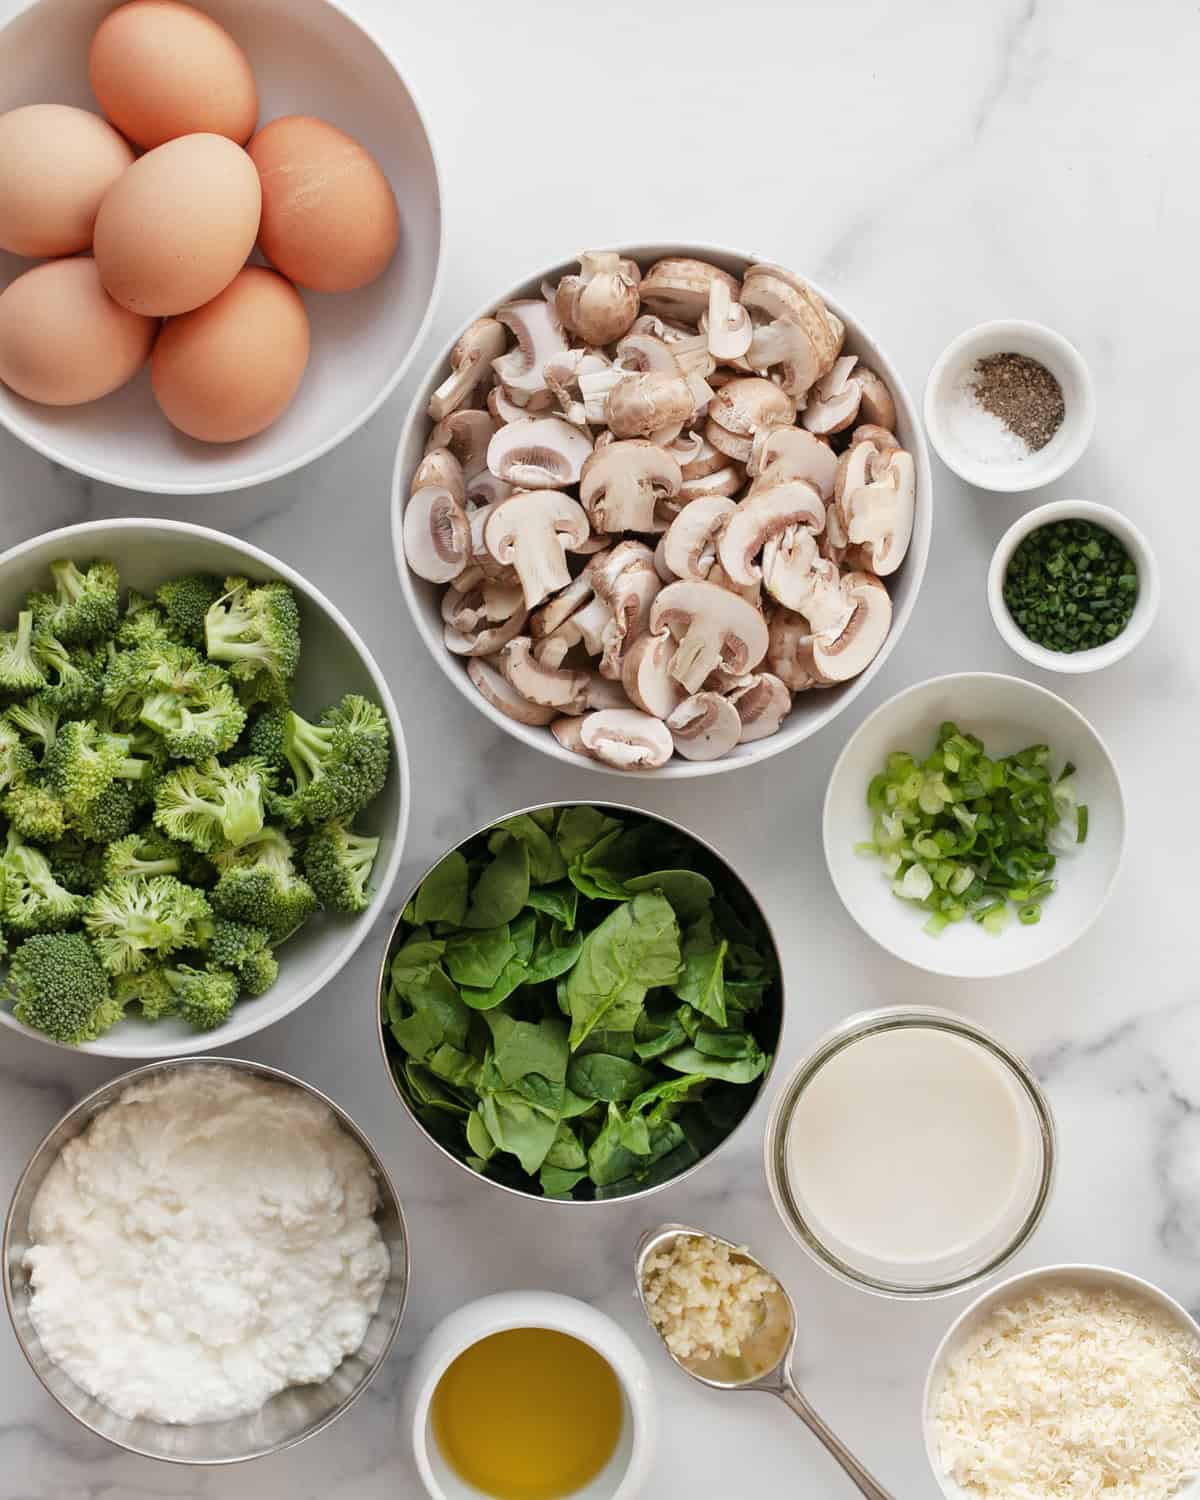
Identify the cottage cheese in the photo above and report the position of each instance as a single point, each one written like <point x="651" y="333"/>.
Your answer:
<point x="207" y="1241"/>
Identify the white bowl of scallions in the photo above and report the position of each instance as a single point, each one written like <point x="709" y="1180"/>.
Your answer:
<point x="974" y="825"/>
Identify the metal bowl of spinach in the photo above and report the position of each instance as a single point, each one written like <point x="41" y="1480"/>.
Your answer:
<point x="580" y="1002"/>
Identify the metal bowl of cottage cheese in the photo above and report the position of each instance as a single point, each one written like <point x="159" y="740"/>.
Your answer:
<point x="205" y="1261"/>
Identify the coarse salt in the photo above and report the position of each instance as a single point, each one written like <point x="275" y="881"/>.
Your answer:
<point x="978" y="432"/>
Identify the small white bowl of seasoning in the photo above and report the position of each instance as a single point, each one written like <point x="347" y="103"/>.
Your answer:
<point x="1010" y="406"/>
<point x="527" y="1393"/>
<point x="1067" y="527"/>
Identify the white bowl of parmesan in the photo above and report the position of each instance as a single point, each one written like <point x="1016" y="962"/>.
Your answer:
<point x="1072" y="1380"/>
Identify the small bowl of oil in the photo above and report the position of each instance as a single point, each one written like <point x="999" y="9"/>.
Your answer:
<point x="531" y="1396"/>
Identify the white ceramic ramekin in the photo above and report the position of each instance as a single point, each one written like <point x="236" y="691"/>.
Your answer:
<point x="627" y="1471"/>
<point x="1149" y="587"/>
<point x="1065" y="363"/>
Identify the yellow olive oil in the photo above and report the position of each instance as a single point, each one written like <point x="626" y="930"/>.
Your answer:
<point x="528" y="1414"/>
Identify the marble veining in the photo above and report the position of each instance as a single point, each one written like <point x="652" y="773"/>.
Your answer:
<point x="934" y="165"/>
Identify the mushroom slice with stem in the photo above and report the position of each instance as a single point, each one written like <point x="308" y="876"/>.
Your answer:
<point x="555" y="612"/>
<point x="538" y="453"/>
<point x="471" y="363"/>
<point x="789" y="654"/>
<point x="466" y="433"/>
<point x="762" y="516"/>
<point x="537" y="682"/>
<point x="600" y="304"/>
<point x="533" y="530"/>
<point x="791" y="453"/>
<point x="795" y="334"/>
<point x="705" y="726"/>
<point x="630" y="598"/>
<point x="502" y="408"/>
<point x="646" y="675"/>
<point x="437" y="534"/>
<point x="653" y="403"/>
<point x="500" y="693"/>
<point x="484" y="638"/>
<point x="726" y="323"/>
<point x="712" y="627"/>
<point x="762" y="702"/>
<point x="742" y="407"/>
<point x="690" y="545"/>
<point x="440" y="467"/>
<point x="849" y="393"/>
<point x="791" y="565"/>
<point x="676" y="289"/>
<point x="627" y="739"/>
<point x="816" y="656"/>
<point x="876" y="505"/>
<point x="623" y="482"/>
<point x="539" y="335"/>
<point x="486" y="489"/>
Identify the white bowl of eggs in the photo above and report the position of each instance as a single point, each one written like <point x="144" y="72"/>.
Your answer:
<point x="220" y="236"/>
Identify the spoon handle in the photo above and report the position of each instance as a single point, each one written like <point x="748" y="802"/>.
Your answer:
<point x="870" y="1487"/>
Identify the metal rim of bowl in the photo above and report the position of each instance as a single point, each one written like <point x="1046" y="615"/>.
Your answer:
<point x="92" y="1103"/>
<point x="310" y="455"/>
<point x="676" y="769"/>
<point x="845" y="1034"/>
<point x="362" y="925"/>
<point x="625" y="810"/>
<point x="1035" y="688"/>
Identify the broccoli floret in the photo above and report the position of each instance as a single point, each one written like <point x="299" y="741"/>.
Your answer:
<point x="35" y="812"/>
<point x="338" y="864"/>
<point x="203" y="724"/>
<point x="146" y="853"/>
<point x="142" y="622"/>
<point x="267" y="737"/>
<point x="158" y="665"/>
<point x="31" y="899"/>
<point x="255" y="627"/>
<point x="19" y="671"/>
<point x="259" y="886"/>
<point x="258" y="973"/>
<point x="57" y="986"/>
<point x="84" y="761"/>
<point x="85" y="605"/>
<point x="111" y="815"/>
<point x="246" y="952"/>
<point x="37" y="721"/>
<point x="76" y="864"/>
<point x="16" y="758"/>
<point x="204" y="997"/>
<point x="338" y="764"/>
<point x="74" y="677"/>
<point x="132" y="921"/>
<point x="187" y="602"/>
<point x="209" y="804"/>
<point x="149" y="989"/>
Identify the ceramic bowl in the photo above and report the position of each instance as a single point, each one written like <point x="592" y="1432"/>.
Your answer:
<point x="1144" y="611"/>
<point x="1088" y="1277"/>
<point x="294" y="1414"/>
<point x="812" y="711"/>
<point x="334" y="661"/>
<point x="1065" y="363"/>
<point x="1007" y="713"/>
<point x="629" y="1467"/>
<point x="309" y="57"/>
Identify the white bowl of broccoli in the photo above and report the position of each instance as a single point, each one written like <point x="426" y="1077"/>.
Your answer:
<point x="203" y="789"/>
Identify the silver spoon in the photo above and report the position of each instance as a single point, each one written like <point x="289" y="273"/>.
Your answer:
<point x="765" y="1361"/>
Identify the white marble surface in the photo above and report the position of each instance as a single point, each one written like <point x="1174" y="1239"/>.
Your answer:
<point x="934" y="164"/>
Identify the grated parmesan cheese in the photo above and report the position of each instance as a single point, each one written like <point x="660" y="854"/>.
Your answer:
<point x="1072" y="1392"/>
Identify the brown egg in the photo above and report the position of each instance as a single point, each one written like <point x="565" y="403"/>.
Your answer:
<point x="162" y="70"/>
<point x="56" y="163"/>
<point x="329" y="218"/>
<point x="230" y="368"/>
<point x="177" y="227"/>
<point x="63" y="339"/>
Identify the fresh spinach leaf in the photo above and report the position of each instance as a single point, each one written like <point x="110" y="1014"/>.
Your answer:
<point x="546" y="863"/>
<point x="523" y="933"/>
<point x="516" y="1126"/>
<point x="688" y="891"/>
<point x="558" y="901"/>
<point x="701" y="983"/>
<point x="634" y="949"/>
<point x="443" y="893"/>
<point x="738" y="1070"/>
<point x="580" y="828"/>
<point x="477" y="959"/>
<point x="502" y="888"/>
<point x="599" y="1075"/>
<point x="556" y="952"/>
<point x="558" y="1182"/>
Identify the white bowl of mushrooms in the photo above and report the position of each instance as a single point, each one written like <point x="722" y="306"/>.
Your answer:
<point x="647" y="502"/>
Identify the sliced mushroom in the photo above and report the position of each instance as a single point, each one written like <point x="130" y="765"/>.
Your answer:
<point x="795" y="333"/>
<point x="763" y="516"/>
<point x="537" y="682"/>
<point x="479" y="620"/>
<point x="677" y="288"/>
<point x="563" y="375"/>
<point x="604" y="692"/>
<point x="690" y="545"/>
<point x="599" y="304"/>
<point x="811" y="657"/>
<point x="712" y="627"/>
<point x="546" y="620"/>
<point x="437" y="534"/>
<point x="726" y="481"/>
<point x="660" y="560"/>
<point x="726" y="323"/>
<point x="623" y="482"/>
<point x="568" y="733"/>
<point x="743" y="407"/>
<point x="653" y="403"/>
<point x="705" y="727"/>
<point x="630" y="598"/>
<point x="849" y="391"/>
<point x="538" y="453"/>
<point x="789" y="654"/>
<point x="501" y="694"/>
<point x="646" y="675"/>
<point x="876" y="507"/>
<point x="627" y="739"/>
<point x="533" y="530"/>
<point x="486" y="489"/>
<point x="440" y="467"/>
<point x="471" y="361"/>
<point x="466" y="433"/>
<point x="539" y="335"/>
<point x="503" y="408"/>
<point x="791" y="453"/>
<point x="762" y="702"/>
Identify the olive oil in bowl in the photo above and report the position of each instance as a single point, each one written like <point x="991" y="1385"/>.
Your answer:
<point x="528" y="1414"/>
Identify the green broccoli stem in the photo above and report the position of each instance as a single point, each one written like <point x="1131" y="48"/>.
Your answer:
<point x="242" y="816"/>
<point x="307" y="747"/>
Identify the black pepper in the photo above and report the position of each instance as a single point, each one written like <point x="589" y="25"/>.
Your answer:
<point x="1023" y="394"/>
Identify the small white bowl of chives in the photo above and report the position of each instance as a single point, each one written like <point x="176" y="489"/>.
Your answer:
<point x="1059" y="586"/>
